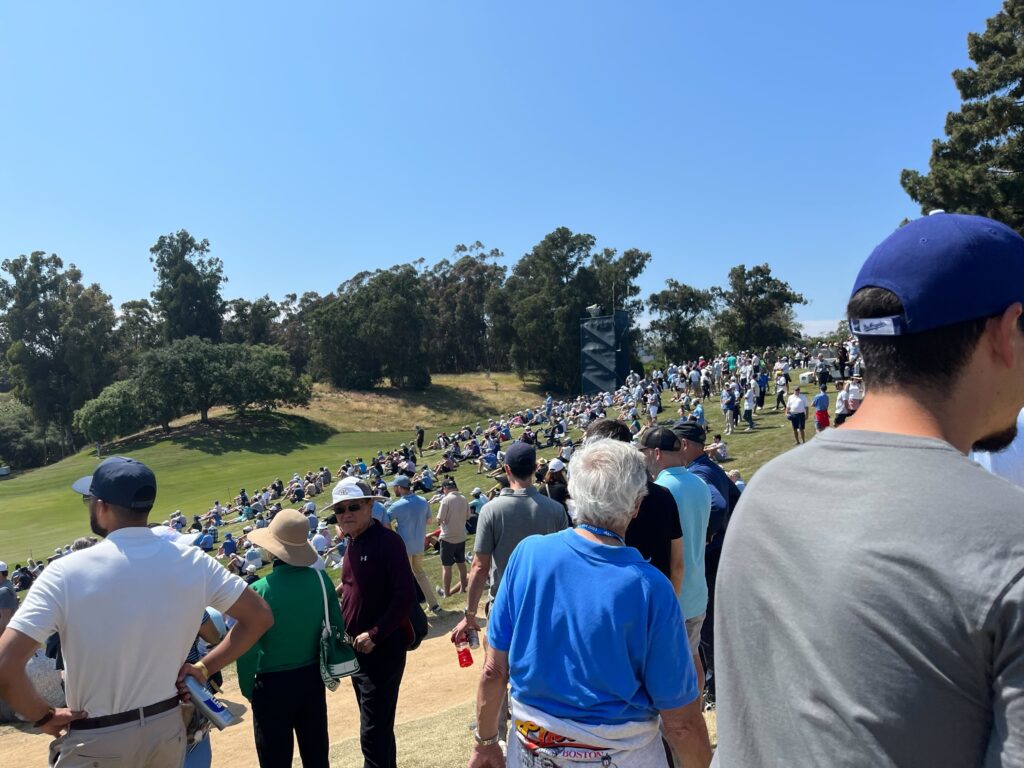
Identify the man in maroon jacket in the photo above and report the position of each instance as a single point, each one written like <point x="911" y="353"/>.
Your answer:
<point x="376" y="593"/>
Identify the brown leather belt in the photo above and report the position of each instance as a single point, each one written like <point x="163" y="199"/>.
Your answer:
<point x="135" y="715"/>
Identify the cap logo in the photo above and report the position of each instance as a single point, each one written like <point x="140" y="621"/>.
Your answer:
<point x="878" y="326"/>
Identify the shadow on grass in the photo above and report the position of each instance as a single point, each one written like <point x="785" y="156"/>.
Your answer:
<point x="439" y="397"/>
<point x="270" y="433"/>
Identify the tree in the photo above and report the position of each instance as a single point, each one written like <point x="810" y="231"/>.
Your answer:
<point x="681" y="327"/>
<point x="374" y="329"/>
<point x="23" y="443"/>
<point x="251" y="322"/>
<point x="159" y="377"/>
<point x="295" y="333"/>
<point x="113" y="413"/>
<point x="61" y="351"/>
<point x="260" y="378"/>
<point x="538" y="311"/>
<point x="457" y="295"/>
<point x="204" y="381"/>
<point x="979" y="167"/>
<point x="187" y="296"/>
<point x="138" y="330"/>
<point x="757" y="309"/>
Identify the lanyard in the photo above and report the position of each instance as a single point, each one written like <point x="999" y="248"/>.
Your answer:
<point x="601" y="532"/>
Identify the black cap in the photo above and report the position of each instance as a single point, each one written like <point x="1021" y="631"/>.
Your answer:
<point x="691" y="431"/>
<point x="660" y="437"/>
<point x="121" y="482"/>
<point x="521" y="459"/>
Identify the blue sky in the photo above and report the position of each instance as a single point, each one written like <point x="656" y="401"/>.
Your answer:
<point x="311" y="140"/>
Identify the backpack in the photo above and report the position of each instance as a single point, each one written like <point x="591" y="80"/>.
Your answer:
<point x="415" y="626"/>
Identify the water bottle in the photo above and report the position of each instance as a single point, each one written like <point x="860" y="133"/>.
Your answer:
<point x="465" y="656"/>
<point x="208" y="704"/>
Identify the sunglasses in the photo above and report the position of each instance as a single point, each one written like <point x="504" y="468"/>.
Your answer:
<point x="353" y="507"/>
<point x="86" y="499"/>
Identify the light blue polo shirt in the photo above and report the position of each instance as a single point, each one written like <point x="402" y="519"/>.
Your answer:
<point x="411" y="513"/>
<point x="592" y="631"/>
<point x="693" y="499"/>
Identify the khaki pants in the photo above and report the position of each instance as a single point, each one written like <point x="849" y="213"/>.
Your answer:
<point x="157" y="742"/>
<point x="416" y="562"/>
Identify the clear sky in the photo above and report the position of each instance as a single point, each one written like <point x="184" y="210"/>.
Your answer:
<point x="311" y="140"/>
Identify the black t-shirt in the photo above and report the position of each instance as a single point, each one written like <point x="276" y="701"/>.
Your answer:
<point x="655" y="526"/>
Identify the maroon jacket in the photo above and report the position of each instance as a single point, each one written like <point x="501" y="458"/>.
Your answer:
<point x="377" y="587"/>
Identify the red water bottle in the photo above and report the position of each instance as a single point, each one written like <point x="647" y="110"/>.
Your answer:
<point x="465" y="656"/>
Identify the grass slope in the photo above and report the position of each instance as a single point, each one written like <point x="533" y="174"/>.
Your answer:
<point x="199" y="463"/>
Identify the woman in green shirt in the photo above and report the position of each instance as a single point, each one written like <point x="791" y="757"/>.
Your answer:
<point x="280" y="674"/>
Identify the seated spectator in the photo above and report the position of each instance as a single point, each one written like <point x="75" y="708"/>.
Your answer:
<point x="228" y="547"/>
<point x="717" y="450"/>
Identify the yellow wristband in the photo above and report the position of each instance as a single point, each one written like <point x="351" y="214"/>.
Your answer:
<point x="202" y="667"/>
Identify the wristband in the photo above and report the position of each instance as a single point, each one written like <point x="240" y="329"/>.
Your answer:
<point x="45" y="718"/>
<point x="202" y="668"/>
<point x="485" y="742"/>
<point x="470" y="614"/>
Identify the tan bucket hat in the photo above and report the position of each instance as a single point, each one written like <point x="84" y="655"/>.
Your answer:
<point x="286" y="538"/>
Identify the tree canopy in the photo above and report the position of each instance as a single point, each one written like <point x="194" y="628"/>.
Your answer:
<point x="979" y="167"/>
<point x="187" y="295"/>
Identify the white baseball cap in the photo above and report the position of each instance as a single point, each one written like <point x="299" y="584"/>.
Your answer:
<point x="3" y="565"/>
<point x="556" y="465"/>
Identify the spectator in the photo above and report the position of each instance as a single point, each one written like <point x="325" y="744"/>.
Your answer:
<point x="612" y="673"/>
<point x="820" y="403"/>
<point x="410" y="514"/>
<point x="132" y="718"/>
<point x="655" y="532"/>
<point x="554" y="484"/>
<point x="842" y="403"/>
<point x="377" y="592"/>
<point x="451" y="517"/>
<point x="662" y="449"/>
<point x="796" y="412"/>
<point x="8" y="598"/>
<point x="894" y="639"/>
<point x="280" y="674"/>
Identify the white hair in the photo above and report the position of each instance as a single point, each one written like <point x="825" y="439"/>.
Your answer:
<point x="606" y="478"/>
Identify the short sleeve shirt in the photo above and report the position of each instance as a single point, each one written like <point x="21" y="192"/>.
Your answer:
<point x="73" y="596"/>
<point x="452" y="515"/>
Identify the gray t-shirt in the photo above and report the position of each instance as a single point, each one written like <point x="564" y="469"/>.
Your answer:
<point x="870" y="610"/>
<point x="509" y="518"/>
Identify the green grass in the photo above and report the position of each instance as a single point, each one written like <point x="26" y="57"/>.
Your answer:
<point x="198" y="463"/>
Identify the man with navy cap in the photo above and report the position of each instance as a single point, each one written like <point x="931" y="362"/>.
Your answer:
<point x="887" y="629"/>
<point x="127" y="611"/>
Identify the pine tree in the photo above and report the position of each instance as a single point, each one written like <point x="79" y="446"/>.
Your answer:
<point x="979" y="167"/>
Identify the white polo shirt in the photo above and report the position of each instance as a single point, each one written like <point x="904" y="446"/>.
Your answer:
<point x="127" y="611"/>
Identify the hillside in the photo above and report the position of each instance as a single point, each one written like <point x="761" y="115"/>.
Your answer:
<point x="197" y="463"/>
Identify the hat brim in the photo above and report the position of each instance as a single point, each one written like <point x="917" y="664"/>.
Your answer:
<point x="333" y="504"/>
<point x="293" y="554"/>
<point x="82" y="485"/>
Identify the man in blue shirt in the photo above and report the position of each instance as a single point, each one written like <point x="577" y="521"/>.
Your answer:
<point x="820" y="403"/>
<point x="724" y="495"/>
<point x="662" y="449"/>
<point x="410" y="513"/>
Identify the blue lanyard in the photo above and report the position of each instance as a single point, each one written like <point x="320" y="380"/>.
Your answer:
<point x="601" y="532"/>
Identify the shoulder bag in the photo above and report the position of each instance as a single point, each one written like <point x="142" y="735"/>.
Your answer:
<point x="337" y="656"/>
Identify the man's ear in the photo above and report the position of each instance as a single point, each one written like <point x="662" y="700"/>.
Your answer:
<point x="1004" y="335"/>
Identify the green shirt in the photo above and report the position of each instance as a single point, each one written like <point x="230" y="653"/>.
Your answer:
<point x="298" y="607"/>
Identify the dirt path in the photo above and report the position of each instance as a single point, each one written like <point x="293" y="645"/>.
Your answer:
<point x="433" y="682"/>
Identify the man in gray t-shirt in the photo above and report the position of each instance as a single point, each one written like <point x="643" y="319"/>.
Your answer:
<point x="879" y="621"/>
<point x="519" y="511"/>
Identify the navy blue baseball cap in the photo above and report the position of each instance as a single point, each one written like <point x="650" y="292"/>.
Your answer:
<point x="122" y="482"/>
<point x="521" y="458"/>
<point x="945" y="268"/>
